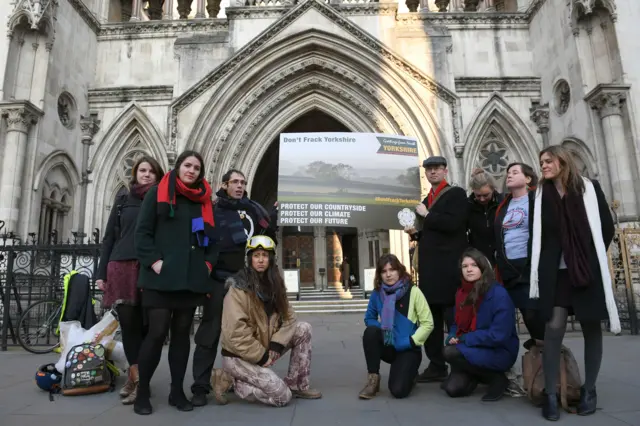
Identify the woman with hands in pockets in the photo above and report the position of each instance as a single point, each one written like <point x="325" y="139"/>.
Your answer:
<point x="176" y="247"/>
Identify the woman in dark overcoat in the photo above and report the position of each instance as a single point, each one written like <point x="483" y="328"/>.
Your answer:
<point x="572" y="229"/>
<point x="176" y="247"/>
<point x="119" y="267"/>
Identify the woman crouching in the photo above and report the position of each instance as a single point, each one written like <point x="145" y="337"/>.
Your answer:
<point x="258" y="327"/>
<point x="483" y="341"/>
<point x="398" y="321"/>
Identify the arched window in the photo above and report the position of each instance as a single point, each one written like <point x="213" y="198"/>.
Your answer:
<point x="56" y="205"/>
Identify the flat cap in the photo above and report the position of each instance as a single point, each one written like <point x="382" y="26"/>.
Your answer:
<point x="436" y="160"/>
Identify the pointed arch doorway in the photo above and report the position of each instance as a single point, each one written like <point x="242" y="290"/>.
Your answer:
<point x="310" y="249"/>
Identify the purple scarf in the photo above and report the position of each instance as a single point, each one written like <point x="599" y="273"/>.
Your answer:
<point x="390" y="295"/>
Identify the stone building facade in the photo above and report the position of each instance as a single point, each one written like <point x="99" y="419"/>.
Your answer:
<point x="88" y="85"/>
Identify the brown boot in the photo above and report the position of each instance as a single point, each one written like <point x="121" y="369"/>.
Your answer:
<point x="221" y="382"/>
<point x="133" y="376"/>
<point x="129" y="386"/>
<point x="306" y="394"/>
<point x="372" y="387"/>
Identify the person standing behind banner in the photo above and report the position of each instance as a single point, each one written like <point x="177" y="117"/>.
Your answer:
<point x="441" y="242"/>
<point x="238" y="219"/>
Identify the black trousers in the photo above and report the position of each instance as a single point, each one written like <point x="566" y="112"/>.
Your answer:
<point x="404" y="365"/>
<point x="442" y="314"/>
<point x="464" y="376"/>
<point x="206" y="339"/>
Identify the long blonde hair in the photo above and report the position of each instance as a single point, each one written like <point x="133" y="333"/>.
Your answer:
<point x="569" y="174"/>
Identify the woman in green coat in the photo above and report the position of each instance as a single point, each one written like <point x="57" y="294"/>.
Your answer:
<point x="176" y="247"/>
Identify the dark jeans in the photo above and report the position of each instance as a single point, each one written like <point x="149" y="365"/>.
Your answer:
<point x="433" y="346"/>
<point x="206" y="339"/>
<point x="464" y="376"/>
<point x="520" y="297"/>
<point x="404" y="365"/>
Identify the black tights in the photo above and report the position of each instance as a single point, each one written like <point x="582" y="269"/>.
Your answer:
<point x="160" y="321"/>
<point x="464" y="377"/>
<point x="404" y="365"/>
<point x="132" y="327"/>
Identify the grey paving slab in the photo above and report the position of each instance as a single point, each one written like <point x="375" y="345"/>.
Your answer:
<point x="338" y="369"/>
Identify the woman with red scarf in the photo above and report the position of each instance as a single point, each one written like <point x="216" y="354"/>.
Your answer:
<point x="483" y="342"/>
<point x="118" y="272"/>
<point x="176" y="247"/>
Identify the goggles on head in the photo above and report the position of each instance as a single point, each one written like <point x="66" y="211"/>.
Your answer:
<point x="261" y="241"/>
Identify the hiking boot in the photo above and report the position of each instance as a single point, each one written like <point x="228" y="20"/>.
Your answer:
<point x="433" y="374"/>
<point x="306" y="393"/>
<point x="372" y="387"/>
<point x="496" y="389"/>
<point x="221" y="382"/>
<point x="132" y="382"/>
<point x="588" y="402"/>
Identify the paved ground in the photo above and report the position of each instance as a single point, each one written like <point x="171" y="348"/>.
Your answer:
<point x="338" y="370"/>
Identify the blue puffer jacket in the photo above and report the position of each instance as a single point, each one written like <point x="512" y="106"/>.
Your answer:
<point x="494" y="344"/>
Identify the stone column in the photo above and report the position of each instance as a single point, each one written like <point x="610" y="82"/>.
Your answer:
<point x="19" y="117"/>
<point x="168" y="8"/>
<point x="540" y="116"/>
<point x="399" y="245"/>
<point x="490" y="6"/>
<point x="89" y="126"/>
<point x="136" y="10"/>
<point x="200" y="6"/>
<point x="608" y="101"/>
<point x="320" y="254"/>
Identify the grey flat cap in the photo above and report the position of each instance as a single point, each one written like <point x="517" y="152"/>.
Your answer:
<point x="436" y="160"/>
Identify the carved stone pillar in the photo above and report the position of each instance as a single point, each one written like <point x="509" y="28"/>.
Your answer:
<point x="412" y="5"/>
<point x="213" y="8"/>
<point x="19" y="117"/>
<point x="540" y="116"/>
<point x="168" y="8"/>
<point x="608" y="101"/>
<point x="136" y="10"/>
<point x="320" y="251"/>
<point x="184" y="8"/>
<point x="200" y="7"/>
<point x="399" y="245"/>
<point x="442" y="5"/>
<point x="471" y="5"/>
<point x="490" y="6"/>
<point x="89" y="126"/>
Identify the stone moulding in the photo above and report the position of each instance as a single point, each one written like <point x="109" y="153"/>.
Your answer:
<point x="87" y="16"/>
<point x="261" y="40"/>
<point x="126" y="94"/>
<point x="498" y="84"/>
<point x="464" y="20"/>
<point x="159" y="29"/>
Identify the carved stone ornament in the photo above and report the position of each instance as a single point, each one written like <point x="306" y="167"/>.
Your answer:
<point x="67" y="110"/>
<point x="540" y="116"/>
<point x="19" y="119"/>
<point x="608" y="103"/>
<point x="471" y="5"/>
<point x="361" y="35"/>
<point x="442" y="5"/>
<point x="89" y="127"/>
<point x="562" y="96"/>
<point x="33" y="10"/>
<point x="493" y="157"/>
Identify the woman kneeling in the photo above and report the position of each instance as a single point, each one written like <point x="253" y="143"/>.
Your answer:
<point x="398" y="321"/>
<point x="258" y="326"/>
<point x="483" y="343"/>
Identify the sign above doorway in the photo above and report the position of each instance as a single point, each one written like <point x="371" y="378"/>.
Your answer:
<point x="346" y="179"/>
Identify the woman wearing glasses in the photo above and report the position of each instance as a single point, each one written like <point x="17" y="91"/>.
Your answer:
<point x="258" y="327"/>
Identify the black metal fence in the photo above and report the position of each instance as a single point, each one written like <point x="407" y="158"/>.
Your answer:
<point x="33" y="271"/>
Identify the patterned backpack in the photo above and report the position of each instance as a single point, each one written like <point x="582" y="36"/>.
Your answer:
<point x="87" y="371"/>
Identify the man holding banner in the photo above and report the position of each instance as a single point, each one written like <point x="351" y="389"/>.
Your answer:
<point x="441" y="242"/>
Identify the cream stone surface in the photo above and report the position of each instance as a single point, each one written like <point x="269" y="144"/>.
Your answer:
<point x="483" y="88"/>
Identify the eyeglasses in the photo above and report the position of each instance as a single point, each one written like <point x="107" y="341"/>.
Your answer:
<point x="261" y="241"/>
<point x="238" y="182"/>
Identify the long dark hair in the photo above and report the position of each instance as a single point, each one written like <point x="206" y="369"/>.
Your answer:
<point x="271" y="282"/>
<point x="569" y="174"/>
<point x="486" y="280"/>
<point x="396" y="265"/>
<point x="183" y="156"/>
<point x="157" y="169"/>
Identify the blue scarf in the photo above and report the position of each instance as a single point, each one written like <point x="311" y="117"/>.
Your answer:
<point x="390" y="295"/>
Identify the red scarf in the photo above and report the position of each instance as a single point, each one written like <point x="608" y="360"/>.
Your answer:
<point x="434" y="193"/>
<point x="465" y="315"/>
<point x="199" y="194"/>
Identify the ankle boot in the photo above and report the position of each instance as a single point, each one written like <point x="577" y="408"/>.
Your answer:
<point x="550" y="407"/>
<point x="131" y="382"/>
<point x="178" y="399"/>
<point x="372" y="387"/>
<point x="497" y="387"/>
<point x="142" y="404"/>
<point x="135" y="380"/>
<point x="588" y="402"/>
<point x="221" y="382"/>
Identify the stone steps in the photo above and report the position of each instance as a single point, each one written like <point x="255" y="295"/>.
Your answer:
<point x="330" y="306"/>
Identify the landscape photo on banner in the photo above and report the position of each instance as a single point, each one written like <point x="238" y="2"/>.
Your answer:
<point x="347" y="179"/>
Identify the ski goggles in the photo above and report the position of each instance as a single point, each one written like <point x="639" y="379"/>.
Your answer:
<point x="261" y="241"/>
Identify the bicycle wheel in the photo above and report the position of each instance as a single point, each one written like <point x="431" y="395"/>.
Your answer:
<point x="37" y="327"/>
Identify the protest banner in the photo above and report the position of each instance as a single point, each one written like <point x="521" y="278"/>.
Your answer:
<point x="347" y="179"/>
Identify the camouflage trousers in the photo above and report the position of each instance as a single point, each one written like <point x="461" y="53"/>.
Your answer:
<point x="254" y="383"/>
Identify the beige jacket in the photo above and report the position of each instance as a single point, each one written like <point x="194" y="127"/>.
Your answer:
<point x="247" y="333"/>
